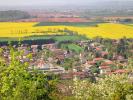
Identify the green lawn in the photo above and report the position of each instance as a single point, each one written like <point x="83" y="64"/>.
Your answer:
<point x="72" y="47"/>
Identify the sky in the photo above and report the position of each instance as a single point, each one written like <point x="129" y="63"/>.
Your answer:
<point x="50" y="2"/>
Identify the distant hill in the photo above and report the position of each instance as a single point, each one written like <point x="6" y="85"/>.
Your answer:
<point x="12" y="15"/>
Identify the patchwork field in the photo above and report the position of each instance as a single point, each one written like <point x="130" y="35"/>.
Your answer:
<point x="105" y="30"/>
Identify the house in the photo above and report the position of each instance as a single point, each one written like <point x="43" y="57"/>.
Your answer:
<point x="21" y="48"/>
<point x="66" y="76"/>
<point x="104" y="69"/>
<point x="48" y="67"/>
<point x="131" y="51"/>
<point x="94" y="44"/>
<point x="79" y="75"/>
<point x="98" y="59"/>
<point x="49" y="46"/>
<point x="91" y="62"/>
<point x="104" y="53"/>
<point x="4" y="47"/>
<point x="41" y="64"/>
<point x="121" y="59"/>
<point x="50" y="60"/>
<point x="107" y="63"/>
<point x="120" y="71"/>
<point x="34" y="48"/>
<point x="60" y="57"/>
<point x="59" y="54"/>
<point x="73" y="75"/>
<point x="130" y="77"/>
<point x="98" y="49"/>
<point x="57" y="70"/>
<point x="86" y="66"/>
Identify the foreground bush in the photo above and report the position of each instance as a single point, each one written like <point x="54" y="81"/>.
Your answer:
<point x="17" y="83"/>
<point x="114" y="87"/>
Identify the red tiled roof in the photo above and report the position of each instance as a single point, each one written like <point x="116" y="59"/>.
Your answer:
<point x="70" y="75"/>
<point x="97" y="59"/>
<point x="91" y="62"/>
<point x="107" y="63"/>
<point x="34" y="46"/>
<point x="104" y="67"/>
<point x="131" y="51"/>
<point x="104" y="53"/>
<point x="61" y="57"/>
<point x="67" y="77"/>
<point x="98" y="49"/>
<point x="78" y="73"/>
<point x="109" y="73"/>
<point x="120" y="57"/>
<point x="120" y="71"/>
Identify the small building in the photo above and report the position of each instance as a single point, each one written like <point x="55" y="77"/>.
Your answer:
<point x="104" y="69"/>
<point x="49" y="46"/>
<point x="120" y="71"/>
<point x="98" y="59"/>
<point x="107" y="63"/>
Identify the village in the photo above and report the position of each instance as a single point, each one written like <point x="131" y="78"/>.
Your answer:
<point x="94" y="61"/>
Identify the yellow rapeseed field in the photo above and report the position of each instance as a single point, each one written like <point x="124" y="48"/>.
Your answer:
<point x="105" y="30"/>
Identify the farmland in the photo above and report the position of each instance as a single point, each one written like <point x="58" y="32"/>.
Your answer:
<point x="57" y="38"/>
<point x="77" y="24"/>
<point x="105" y="30"/>
<point x="72" y="47"/>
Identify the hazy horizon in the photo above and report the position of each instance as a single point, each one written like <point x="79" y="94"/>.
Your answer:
<point x="53" y="2"/>
<point x="76" y="4"/>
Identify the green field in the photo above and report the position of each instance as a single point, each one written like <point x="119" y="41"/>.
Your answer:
<point x="57" y="38"/>
<point x="78" y="24"/>
<point x="130" y="24"/>
<point x="72" y="47"/>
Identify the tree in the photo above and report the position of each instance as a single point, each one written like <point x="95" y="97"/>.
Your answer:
<point x="68" y="63"/>
<point x="95" y="69"/>
<point x="122" y="47"/>
<point x="113" y="87"/>
<point x="18" y="83"/>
